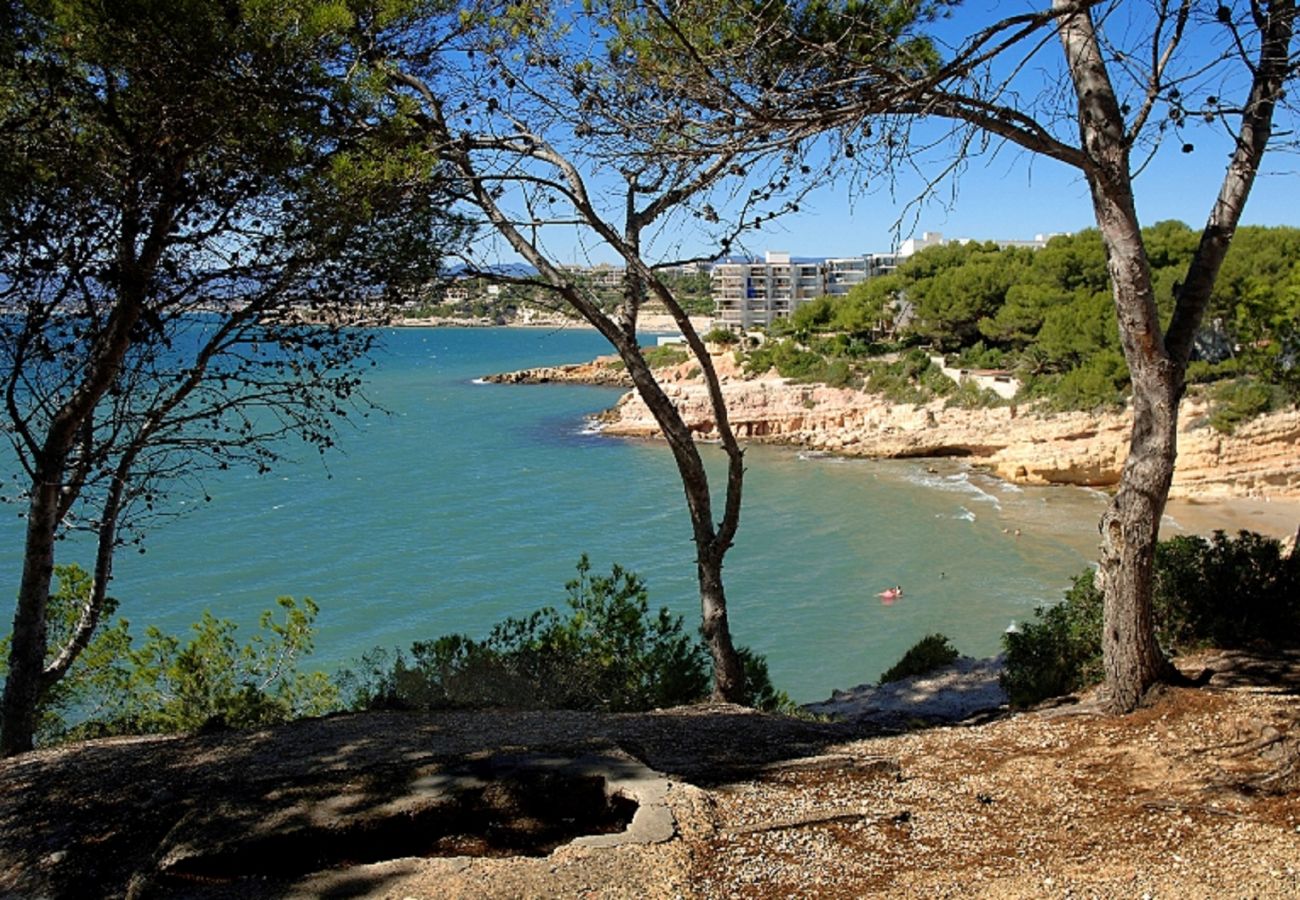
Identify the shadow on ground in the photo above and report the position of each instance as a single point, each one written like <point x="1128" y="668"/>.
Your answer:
<point x="203" y="815"/>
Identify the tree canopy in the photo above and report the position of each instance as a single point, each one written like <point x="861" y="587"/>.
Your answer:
<point x="187" y="192"/>
<point x="1048" y="312"/>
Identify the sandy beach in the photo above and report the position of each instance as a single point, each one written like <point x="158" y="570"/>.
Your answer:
<point x="1275" y="518"/>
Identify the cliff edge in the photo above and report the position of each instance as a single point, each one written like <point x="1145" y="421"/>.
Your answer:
<point x="1259" y="460"/>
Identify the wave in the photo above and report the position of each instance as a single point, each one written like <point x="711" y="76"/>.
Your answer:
<point x="479" y="381"/>
<point x="959" y="483"/>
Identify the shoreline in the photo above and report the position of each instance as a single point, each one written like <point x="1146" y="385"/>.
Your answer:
<point x="1246" y="481"/>
<point x="650" y="324"/>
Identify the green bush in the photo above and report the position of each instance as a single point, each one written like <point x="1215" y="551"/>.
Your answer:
<point x="608" y="653"/>
<point x="969" y="395"/>
<point x="1100" y="382"/>
<point x="910" y="379"/>
<point x="979" y="356"/>
<point x="1240" y="400"/>
<point x="724" y="337"/>
<point x="1222" y="592"/>
<point x="1203" y="372"/>
<point x="168" y="685"/>
<point x="1226" y="592"/>
<point x="934" y="651"/>
<point x="890" y="383"/>
<point x="1061" y="652"/>
<point x="667" y="355"/>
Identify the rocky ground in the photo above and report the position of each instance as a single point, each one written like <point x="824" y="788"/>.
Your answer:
<point x="1195" y="795"/>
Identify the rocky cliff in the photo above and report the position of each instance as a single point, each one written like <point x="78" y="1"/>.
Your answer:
<point x="1260" y="460"/>
<point x="607" y="371"/>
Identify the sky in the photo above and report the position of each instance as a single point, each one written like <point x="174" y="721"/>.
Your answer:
<point x="1005" y="192"/>
<point x="1016" y="196"/>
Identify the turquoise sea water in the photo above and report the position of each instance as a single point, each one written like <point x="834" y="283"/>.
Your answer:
<point x="469" y="502"/>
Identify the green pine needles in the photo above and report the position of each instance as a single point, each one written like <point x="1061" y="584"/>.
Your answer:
<point x="167" y="683"/>
<point x="608" y="651"/>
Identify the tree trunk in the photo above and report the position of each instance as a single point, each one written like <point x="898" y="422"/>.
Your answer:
<point x="710" y="545"/>
<point x="27" y="650"/>
<point x="1131" y="524"/>
<point x="1129" y="528"/>
<point x="728" y="673"/>
<point x="1129" y="531"/>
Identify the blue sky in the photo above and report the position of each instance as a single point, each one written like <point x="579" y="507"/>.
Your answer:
<point x="1012" y="194"/>
<point x="1006" y="192"/>
<point x="1016" y="196"/>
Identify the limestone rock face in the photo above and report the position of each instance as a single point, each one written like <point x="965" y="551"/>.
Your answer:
<point x="1259" y="460"/>
<point x="604" y="370"/>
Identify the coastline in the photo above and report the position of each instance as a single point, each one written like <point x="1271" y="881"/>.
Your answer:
<point x="652" y="323"/>
<point x="1249" y="480"/>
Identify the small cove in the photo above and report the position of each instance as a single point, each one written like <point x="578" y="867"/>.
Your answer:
<point x="469" y="502"/>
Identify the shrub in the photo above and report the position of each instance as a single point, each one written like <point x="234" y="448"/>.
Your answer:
<point x="969" y="395"/>
<point x="979" y="356"/>
<point x="723" y="337"/>
<point x="1203" y="372"/>
<point x="608" y="653"/>
<point x="167" y="685"/>
<point x="799" y="365"/>
<point x="1100" y="382"/>
<point x="931" y="652"/>
<point x="1226" y="592"/>
<point x="760" y="693"/>
<point x="1240" y="400"/>
<point x="910" y="379"/>
<point x="667" y="355"/>
<point x="1061" y="652"/>
<point x="1223" y="592"/>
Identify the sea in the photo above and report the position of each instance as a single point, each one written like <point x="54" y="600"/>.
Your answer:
<point x="458" y="503"/>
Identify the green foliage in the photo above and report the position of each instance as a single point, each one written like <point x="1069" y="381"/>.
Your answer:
<point x="1239" y="400"/>
<point x="910" y="379"/>
<point x="951" y="304"/>
<point x="980" y="356"/>
<point x="760" y="693"/>
<point x="869" y="304"/>
<point x="814" y="315"/>
<point x="211" y="680"/>
<point x="1226" y="592"/>
<point x="1222" y="592"/>
<point x="723" y="337"/>
<point x="798" y="364"/>
<point x="1049" y="314"/>
<point x="1061" y="651"/>
<point x="167" y="684"/>
<point x="1205" y="372"/>
<point x="87" y="691"/>
<point x="608" y="653"/>
<point x="1099" y="382"/>
<point x="934" y="651"/>
<point x="667" y="355"/>
<point x="969" y="395"/>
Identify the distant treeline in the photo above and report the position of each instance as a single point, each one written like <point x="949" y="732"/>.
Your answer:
<point x="1048" y="314"/>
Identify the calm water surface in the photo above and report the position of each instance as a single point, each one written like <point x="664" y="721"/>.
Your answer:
<point x="469" y="502"/>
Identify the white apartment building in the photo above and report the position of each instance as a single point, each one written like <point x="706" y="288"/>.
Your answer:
<point x="746" y="294"/>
